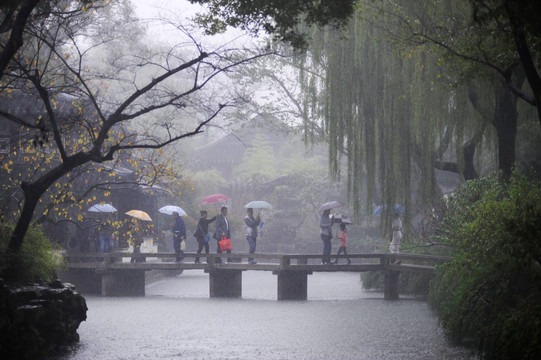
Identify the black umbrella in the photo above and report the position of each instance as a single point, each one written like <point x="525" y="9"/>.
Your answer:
<point x="330" y="205"/>
<point x="340" y="219"/>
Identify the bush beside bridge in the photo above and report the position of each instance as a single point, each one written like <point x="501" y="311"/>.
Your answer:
<point x="36" y="260"/>
<point x="489" y="295"/>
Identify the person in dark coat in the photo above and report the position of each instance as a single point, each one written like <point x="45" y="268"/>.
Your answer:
<point x="222" y="229"/>
<point x="250" y="228"/>
<point x="106" y="233"/>
<point x="325" y="226"/>
<point x="202" y="233"/>
<point x="179" y="234"/>
<point x="136" y="239"/>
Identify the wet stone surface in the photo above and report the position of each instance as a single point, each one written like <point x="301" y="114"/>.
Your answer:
<point x="39" y="319"/>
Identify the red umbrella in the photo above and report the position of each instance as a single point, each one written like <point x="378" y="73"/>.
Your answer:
<point x="214" y="198"/>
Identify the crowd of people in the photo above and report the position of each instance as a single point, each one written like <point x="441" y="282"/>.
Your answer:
<point x="106" y="236"/>
<point x="326" y="222"/>
<point x="222" y="233"/>
<point x="251" y="225"/>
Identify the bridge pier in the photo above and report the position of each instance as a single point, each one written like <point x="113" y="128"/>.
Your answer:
<point x="87" y="281"/>
<point x="123" y="283"/>
<point x="225" y="283"/>
<point x="390" y="284"/>
<point x="292" y="285"/>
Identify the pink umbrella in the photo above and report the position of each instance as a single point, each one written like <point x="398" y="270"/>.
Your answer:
<point x="214" y="198"/>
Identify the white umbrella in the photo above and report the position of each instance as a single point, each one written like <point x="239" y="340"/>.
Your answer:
<point x="102" y="208"/>
<point x="258" y="204"/>
<point x="170" y="209"/>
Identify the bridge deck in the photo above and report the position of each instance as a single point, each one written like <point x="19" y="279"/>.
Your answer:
<point x="266" y="262"/>
<point x="113" y="274"/>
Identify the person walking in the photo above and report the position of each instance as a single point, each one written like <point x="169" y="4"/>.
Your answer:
<point x="250" y="229"/>
<point x="202" y="235"/>
<point x="106" y="235"/>
<point x="343" y="243"/>
<point x="397" y="236"/>
<point x="179" y="234"/>
<point x="136" y="239"/>
<point x="325" y="226"/>
<point x="222" y="230"/>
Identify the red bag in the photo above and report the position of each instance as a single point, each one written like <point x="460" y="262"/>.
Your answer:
<point x="225" y="244"/>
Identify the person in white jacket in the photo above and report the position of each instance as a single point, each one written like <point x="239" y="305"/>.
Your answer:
<point x="397" y="236"/>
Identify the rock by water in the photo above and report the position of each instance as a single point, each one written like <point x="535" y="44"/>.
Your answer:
<point x="38" y="319"/>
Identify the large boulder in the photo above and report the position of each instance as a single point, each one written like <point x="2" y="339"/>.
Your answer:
<point x="36" y="320"/>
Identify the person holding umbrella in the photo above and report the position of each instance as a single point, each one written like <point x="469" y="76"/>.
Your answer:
<point x="397" y="236"/>
<point x="106" y="234"/>
<point x="136" y="238"/>
<point x="250" y="229"/>
<point x="201" y="234"/>
<point x="179" y="234"/>
<point x="222" y="230"/>
<point x="325" y="226"/>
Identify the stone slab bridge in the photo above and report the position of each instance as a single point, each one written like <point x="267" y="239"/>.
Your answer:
<point x="113" y="274"/>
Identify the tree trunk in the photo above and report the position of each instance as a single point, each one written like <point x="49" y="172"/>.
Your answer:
<point x="32" y="194"/>
<point x="525" y="56"/>
<point x="16" y="36"/>
<point x="505" y="122"/>
<point x="469" y="168"/>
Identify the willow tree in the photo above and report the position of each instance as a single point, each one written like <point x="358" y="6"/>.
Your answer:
<point x="401" y="117"/>
<point x="472" y="52"/>
<point x="364" y="102"/>
<point x="407" y="88"/>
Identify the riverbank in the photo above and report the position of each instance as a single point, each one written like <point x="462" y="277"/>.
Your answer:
<point x="36" y="320"/>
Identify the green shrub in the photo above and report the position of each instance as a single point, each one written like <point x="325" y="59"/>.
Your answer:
<point x="408" y="283"/>
<point x="489" y="294"/>
<point x="372" y="280"/>
<point x="36" y="261"/>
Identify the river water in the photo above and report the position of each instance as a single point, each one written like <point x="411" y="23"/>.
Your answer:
<point x="177" y="320"/>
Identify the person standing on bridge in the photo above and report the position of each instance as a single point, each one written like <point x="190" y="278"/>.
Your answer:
<point x="136" y="239"/>
<point x="106" y="235"/>
<point x="325" y="226"/>
<point x="201" y="234"/>
<point x="343" y="243"/>
<point x="250" y="229"/>
<point x="222" y="230"/>
<point x="179" y="234"/>
<point x="397" y="236"/>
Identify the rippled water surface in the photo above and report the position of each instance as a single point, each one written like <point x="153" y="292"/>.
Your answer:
<point x="177" y="320"/>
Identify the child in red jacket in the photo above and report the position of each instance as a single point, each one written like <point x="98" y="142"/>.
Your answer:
<point x="343" y="243"/>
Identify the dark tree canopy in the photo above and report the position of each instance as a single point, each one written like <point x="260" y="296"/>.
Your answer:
<point x="278" y="17"/>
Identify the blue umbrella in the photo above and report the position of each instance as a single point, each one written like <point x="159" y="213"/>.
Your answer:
<point x="398" y="209"/>
<point x="102" y="208"/>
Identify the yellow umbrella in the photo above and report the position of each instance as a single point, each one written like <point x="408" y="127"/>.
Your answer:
<point x="139" y="214"/>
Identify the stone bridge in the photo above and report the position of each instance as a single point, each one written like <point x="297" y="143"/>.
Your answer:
<point x="113" y="274"/>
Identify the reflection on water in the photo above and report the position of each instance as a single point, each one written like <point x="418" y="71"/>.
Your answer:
<point x="177" y="320"/>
